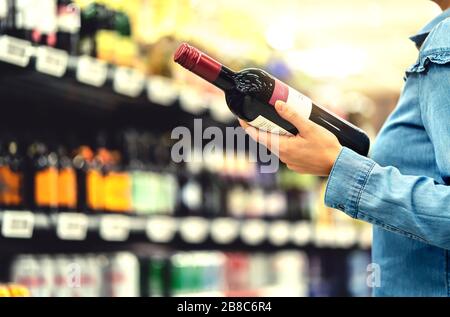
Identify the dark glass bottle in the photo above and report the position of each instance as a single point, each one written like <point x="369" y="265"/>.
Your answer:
<point x="45" y="178"/>
<point x="67" y="182"/>
<point x="82" y="161"/>
<point x="251" y="95"/>
<point x="69" y="24"/>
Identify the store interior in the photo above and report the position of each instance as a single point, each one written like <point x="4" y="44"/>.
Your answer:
<point x="91" y="202"/>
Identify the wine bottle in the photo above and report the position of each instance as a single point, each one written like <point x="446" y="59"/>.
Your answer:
<point x="251" y="95"/>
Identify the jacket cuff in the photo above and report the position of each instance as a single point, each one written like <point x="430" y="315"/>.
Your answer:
<point x="347" y="180"/>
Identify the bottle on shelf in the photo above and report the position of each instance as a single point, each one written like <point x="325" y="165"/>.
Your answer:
<point x="12" y="189"/>
<point x="251" y="95"/>
<point x="44" y="177"/>
<point x="69" y="24"/>
<point x="67" y="182"/>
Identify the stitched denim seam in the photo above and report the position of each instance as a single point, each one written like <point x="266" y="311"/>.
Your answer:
<point x="380" y="223"/>
<point x="366" y="179"/>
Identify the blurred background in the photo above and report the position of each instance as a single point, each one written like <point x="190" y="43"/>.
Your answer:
<point x="91" y="203"/>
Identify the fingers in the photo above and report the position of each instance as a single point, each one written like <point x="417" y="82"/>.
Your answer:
<point x="243" y="124"/>
<point x="287" y="112"/>
<point x="274" y="142"/>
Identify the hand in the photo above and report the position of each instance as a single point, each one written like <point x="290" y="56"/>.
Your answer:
<point x="313" y="151"/>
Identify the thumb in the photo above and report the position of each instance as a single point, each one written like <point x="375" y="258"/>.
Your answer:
<point x="287" y="112"/>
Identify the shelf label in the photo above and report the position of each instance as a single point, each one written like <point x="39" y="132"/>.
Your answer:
<point x="346" y="236"/>
<point x="128" y="82"/>
<point x="301" y="233"/>
<point x="92" y="71"/>
<point x="192" y="100"/>
<point x="72" y="226"/>
<point x="254" y="232"/>
<point x="194" y="229"/>
<point x="18" y="224"/>
<point x="279" y="233"/>
<point x="15" y="51"/>
<point x="161" y="91"/>
<point x="161" y="229"/>
<point x="51" y="61"/>
<point x="325" y="236"/>
<point x="114" y="228"/>
<point x="224" y="230"/>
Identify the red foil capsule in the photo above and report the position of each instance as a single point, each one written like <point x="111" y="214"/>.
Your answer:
<point x="197" y="62"/>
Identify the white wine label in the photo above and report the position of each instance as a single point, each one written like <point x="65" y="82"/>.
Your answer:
<point x="265" y="124"/>
<point x="15" y="51"/>
<point x="51" y="61"/>
<point x="301" y="103"/>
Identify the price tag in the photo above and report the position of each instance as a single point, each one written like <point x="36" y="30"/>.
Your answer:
<point x="224" y="230"/>
<point x="325" y="236"/>
<point x="92" y="71"/>
<point x="15" y="51"/>
<point x="114" y="227"/>
<point x="72" y="226"/>
<point x="254" y="232"/>
<point x="128" y="82"/>
<point x="18" y="224"/>
<point x="194" y="229"/>
<point x="161" y="90"/>
<point x="51" y="61"/>
<point x="345" y="236"/>
<point x="279" y="233"/>
<point x="192" y="100"/>
<point x="161" y="229"/>
<point x="301" y="233"/>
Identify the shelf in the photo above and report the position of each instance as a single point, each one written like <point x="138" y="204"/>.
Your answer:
<point x="192" y="232"/>
<point x="52" y="79"/>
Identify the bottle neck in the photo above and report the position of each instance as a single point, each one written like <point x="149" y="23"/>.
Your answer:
<point x="205" y="66"/>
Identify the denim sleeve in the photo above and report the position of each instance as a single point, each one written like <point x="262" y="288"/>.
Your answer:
<point x="415" y="206"/>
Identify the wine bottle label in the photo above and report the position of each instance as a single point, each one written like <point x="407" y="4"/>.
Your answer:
<point x="265" y="124"/>
<point x="301" y="103"/>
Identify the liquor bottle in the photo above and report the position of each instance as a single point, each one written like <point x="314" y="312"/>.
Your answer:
<point x="12" y="177"/>
<point x="69" y="24"/>
<point x="45" y="178"/>
<point x="82" y="161"/>
<point x="45" y="23"/>
<point x="67" y="182"/>
<point x="251" y="95"/>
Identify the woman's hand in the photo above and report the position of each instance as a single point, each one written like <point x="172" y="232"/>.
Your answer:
<point x="313" y="151"/>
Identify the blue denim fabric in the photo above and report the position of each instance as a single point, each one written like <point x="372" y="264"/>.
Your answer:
<point x="404" y="188"/>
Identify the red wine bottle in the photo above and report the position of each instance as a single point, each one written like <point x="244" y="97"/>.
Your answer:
<point x="251" y="95"/>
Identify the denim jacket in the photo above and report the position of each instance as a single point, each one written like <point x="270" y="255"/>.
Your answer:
<point x="404" y="188"/>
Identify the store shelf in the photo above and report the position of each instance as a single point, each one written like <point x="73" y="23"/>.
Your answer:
<point x="52" y="79"/>
<point x="195" y="232"/>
